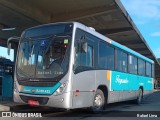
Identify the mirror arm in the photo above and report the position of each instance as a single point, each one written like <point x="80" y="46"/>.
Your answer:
<point x="10" y="40"/>
<point x="14" y="39"/>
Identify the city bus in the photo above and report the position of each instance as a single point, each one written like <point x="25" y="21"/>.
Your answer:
<point x="69" y="65"/>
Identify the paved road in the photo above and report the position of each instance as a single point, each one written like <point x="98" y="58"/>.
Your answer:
<point x="149" y="107"/>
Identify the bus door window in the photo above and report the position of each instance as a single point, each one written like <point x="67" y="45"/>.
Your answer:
<point x="86" y="59"/>
<point x="89" y="55"/>
<point x="83" y="60"/>
<point x="78" y="53"/>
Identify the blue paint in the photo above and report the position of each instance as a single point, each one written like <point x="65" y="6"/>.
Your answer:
<point x="7" y="86"/>
<point x="39" y="90"/>
<point x="124" y="81"/>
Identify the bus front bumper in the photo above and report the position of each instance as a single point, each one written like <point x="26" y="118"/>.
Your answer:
<point x="58" y="101"/>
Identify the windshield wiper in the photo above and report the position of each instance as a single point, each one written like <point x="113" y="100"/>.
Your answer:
<point x="52" y="62"/>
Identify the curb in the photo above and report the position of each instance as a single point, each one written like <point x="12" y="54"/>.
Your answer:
<point x="4" y="108"/>
<point x="11" y="106"/>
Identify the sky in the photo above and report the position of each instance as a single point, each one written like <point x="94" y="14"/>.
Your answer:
<point x="146" y="16"/>
<point x="3" y="53"/>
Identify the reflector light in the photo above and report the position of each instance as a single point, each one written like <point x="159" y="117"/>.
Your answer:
<point x="77" y="90"/>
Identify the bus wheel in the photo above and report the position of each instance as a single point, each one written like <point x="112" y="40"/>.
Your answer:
<point x="99" y="101"/>
<point x="140" y="97"/>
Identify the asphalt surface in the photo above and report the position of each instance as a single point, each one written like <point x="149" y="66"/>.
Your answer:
<point x="149" y="109"/>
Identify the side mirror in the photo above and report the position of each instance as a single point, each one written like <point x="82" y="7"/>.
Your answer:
<point x="10" y="41"/>
<point x="84" y="47"/>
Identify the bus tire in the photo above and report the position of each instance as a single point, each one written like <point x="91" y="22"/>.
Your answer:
<point x="140" y="97"/>
<point x="98" y="101"/>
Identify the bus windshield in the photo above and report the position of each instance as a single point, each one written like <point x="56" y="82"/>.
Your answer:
<point x="44" y="57"/>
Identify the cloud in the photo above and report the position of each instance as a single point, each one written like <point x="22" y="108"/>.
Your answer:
<point x="143" y="10"/>
<point x="156" y="34"/>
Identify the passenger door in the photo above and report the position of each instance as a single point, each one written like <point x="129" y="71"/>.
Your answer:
<point x="84" y="72"/>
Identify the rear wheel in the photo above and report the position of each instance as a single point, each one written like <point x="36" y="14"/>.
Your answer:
<point x="140" y="97"/>
<point x="98" y="101"/>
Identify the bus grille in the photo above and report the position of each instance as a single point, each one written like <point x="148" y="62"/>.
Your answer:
<point x="37" y="84"/>
<point x="41" y="100"/>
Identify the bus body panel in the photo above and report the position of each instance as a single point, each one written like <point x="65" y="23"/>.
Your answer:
<point x="102" y="79"/>
<point x="60" y="101"/>
<point x="63" y="100"/>
<point x="83" y="86"/>
<point x="124" y="81"/>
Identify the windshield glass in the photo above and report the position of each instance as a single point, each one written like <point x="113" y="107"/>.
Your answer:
<point x="44" y="57"/>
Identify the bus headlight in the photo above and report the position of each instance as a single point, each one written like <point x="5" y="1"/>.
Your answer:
<point x="61" y="89"/>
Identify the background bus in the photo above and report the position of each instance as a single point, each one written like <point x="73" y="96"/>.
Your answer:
<point x="70" y="65"/>
<point x="6" y="87"/>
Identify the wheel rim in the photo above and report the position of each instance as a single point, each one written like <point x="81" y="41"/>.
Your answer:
<point x="98" y="101"/>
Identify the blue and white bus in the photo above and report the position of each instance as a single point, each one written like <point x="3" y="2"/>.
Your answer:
<point x="69" y="65"/>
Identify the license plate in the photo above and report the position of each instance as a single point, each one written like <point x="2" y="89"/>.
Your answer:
<point x="33" y="102"/>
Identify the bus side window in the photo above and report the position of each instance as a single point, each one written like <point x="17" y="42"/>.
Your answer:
<point x="106" y="56"/>
<point x="141" y="67"/>
<point x="148" y="69"/>
<point x="121" y="61"/>
<point x="133" y="64"/>
<point x="153" y="69"/>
